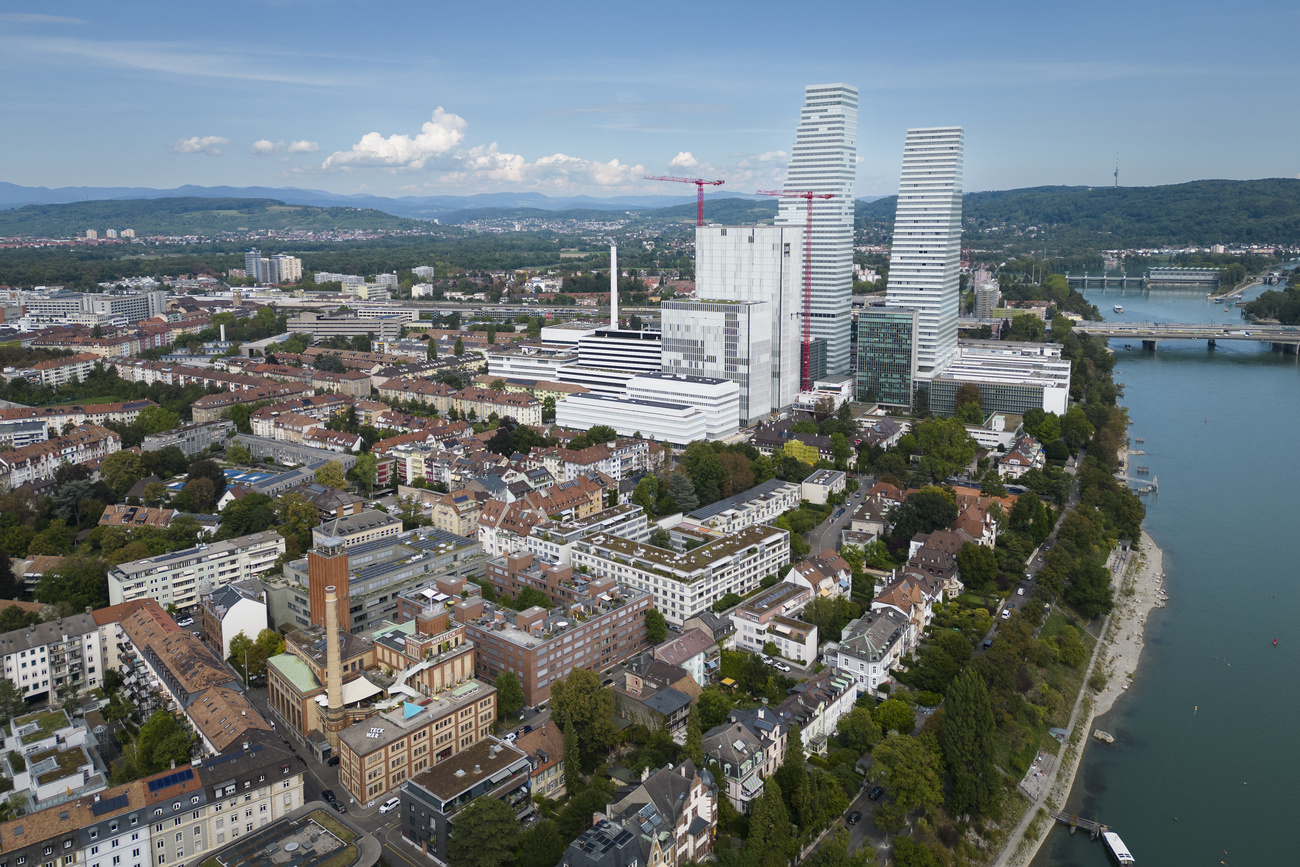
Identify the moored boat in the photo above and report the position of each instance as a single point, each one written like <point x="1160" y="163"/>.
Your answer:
<point x="1119" y="308"/>
<point x="1118" y="850"/>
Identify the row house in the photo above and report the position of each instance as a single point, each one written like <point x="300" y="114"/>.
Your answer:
<point x="816" y="706"/>
<point x="871" y="647"/>
<point x="61" y="371"/>
<point x="827" y="574"/>
<point x="39" y="461"/>
<point x="317" y="406"/>
<point x="436" y="395"/>
<point x="480" y="403"/>
<point x="150" y="372"/>
<point x="211" y="407"/>
<point x="334" y="441"/>
<point x="748" y="747"/>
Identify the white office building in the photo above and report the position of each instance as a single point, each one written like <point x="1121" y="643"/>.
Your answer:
<point x="718" y="399"/>
<point x="925" y="260"/>
<point x="620" y="349"/>
<point x="723" y="340"/>
<point x="758" y="263"/>
<point x="678" y="409"/>
<point x="179" y="577"/>
<point x="824" y="160"/>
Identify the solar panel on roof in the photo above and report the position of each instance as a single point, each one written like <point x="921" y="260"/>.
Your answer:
<point x="108" y="805"/>
<point x="171" y="780"/>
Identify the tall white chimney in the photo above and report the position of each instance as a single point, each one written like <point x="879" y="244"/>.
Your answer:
<point x="613" y="285"/>
<point x="223" y="333"/>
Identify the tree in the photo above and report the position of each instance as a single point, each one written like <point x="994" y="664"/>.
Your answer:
<point x="366" y="471"/>
<point x="834" y="852"/>
<point x="330" y="363"/>
<point x="946" y="448"/>
<point x="156" y="419"/>
<point x="251" y="513"/>
<point x="701" y="463"/>
<point x="578" y="701"/>
<point x="196" y="496"/>
<point x="602" y="433"/>
<point x="460" y="347"/>
<point x="432" y="353"/>
<point x="572" y="761"/>
<point x="911" y="769"/>
<point x="656" y="627"/>
<point x="858" y="730"/>
<point x="646" y="495"/>
<point x="923" y="512"/>
<point x="682" y="491"/>
<point x="910" y="853"/>
<point x="296" y="515"/>
<point x="68" y="500"/>
<point x="155" y="494"/>
<point x="895" y="715"/>
<point x="12" y="702"/>
<point x="540" y="846"/>
<point x="209" y="470"/>
<point x="969" y="744"/>
<point x="120" y="471"/>
<point x="510" y="695"/>
<point x="830" y="616"/>
<point x="330" y="474"/>
<point x="163" y="739"/>
<point x="792" y="777"/>
<point x="255" y="652"/>
<point x="1089" y="589"/>
<point x="695" y="737"/>
<point x="978" y="566"/>
<point x="486" y="835"/>
<point x="238" y="454"/>
<point x="714" y="705"/>
<point x="77" y="583"/>
<point x="770" y="841"/>
<point x="531" y="597"/>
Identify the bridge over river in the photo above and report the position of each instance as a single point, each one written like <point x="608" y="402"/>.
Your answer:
<point x="1282" y="338"/>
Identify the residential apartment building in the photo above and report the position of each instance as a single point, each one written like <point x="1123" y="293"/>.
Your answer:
<point x="58" y="655"/>
<point x="479" y="403"/>
<point x="749" y="746"/>
<point x="544" y="746"/>
<point x="458" y="511"/>
<point x="212" y="407"/>
<point x="231" y="610"/>
<point x="871" y="646"/>
<point x="42" y="460"/>
<point x="594" y="631"/>
<point x="359" y="529"/>
<point x="61" y="371"/>
<point x="179" y="577"/>
<point x="769" y="618"/>
<point x="685" y="583"/>
<point x="431" y="802"/>
<point x="191" y="438"/>
<point x="760" y="504"/>
<point x="681" y="808"/>
<point x="816" y="706"/>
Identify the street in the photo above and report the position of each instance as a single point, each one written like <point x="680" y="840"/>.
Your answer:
<point x="827" y="534"/>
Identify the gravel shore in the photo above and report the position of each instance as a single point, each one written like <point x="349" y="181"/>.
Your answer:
<point x="1137" y="594"/>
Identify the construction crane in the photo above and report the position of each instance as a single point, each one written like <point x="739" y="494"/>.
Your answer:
<point x="805" y="378"/>
<point x="700" y="184"/>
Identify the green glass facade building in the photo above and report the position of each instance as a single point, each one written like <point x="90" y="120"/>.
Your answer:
<point x="886" y="355"/>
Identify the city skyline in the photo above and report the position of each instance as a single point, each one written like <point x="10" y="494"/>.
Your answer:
<point x="412" y="100"/>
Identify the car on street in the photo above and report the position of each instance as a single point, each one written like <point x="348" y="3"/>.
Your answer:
<point x="855" y="817"/>
<point x="875" y="793"/>
<point x="188" y="621"/>
<point x="780" y="666"/>
<point x="390" y="805"/>
<point x="1020" y="591"/>
<point x="332" y="761"/>
<point x="340" y="807"/>
<point x="767" y="660"/>
<point x="1006" y="613"/>
<point x="527" y="729"/>
<point x="328" y="795"/>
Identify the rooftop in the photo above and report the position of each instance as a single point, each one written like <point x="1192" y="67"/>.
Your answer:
<point x="488" y="759"/>
<point x="379" y="731"/>
<point x="761" y="491"/>
<point x="780" y="594"/>
<point x="645" y="555"/>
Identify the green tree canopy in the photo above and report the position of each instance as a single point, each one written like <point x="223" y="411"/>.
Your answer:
<point x="969" y="744"/>
<point x="580" y="702"/>
<point x="946" y="448"/>
<point x="656" y="626"/>
<point x="163" y="739"/>
<point x="895" y="715"/>
<point x="486" y="835"/>
<point x="330" y="474"/>
<point x="771" y="841"/>
<point x="911" y="769"/>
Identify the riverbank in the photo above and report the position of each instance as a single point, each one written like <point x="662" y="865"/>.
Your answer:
<point x="1116" y="656"/>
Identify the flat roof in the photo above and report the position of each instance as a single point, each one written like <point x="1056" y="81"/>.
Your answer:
<point x="687" y="561"/>
<point x="455" y="775"/>
<point x="379" y="731"/>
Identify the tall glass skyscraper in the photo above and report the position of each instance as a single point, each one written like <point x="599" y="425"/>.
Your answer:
<point x="886" y="355"/>
<point x="925" y="260"/>
<point x="824" y="160"/>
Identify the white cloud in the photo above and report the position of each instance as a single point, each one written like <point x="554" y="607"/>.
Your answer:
<point x="265" y="147"/>
<point x="439" y="136"/>
<point x="684" y="159"/>
<point x="208" y="144"/>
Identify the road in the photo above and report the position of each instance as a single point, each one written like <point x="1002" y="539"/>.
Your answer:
<point x="827" y="533"/>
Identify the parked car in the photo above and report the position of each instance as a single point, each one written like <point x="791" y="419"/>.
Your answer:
<point x="328" y="795"/>
<point x="781" y="666"/>
<point x="988" y="642"/>
<point x="527" y="729"/>
<point x="340" y="807"/>
<point x="855" y="817"/>
<point x="511" y="738"/>
<point x="332" y="761"/>
<point x="390" y="805"/>
<point x="188" y="621"/>
<point x="1020" y="591"/>
<point x="875" y="793"/>
<point x="767" y="660"/>
<point x="1006" y="613"/>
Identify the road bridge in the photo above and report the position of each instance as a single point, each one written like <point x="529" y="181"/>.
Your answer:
<point x="1282" y="338"/>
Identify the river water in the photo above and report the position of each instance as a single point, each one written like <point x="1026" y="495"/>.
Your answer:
<point x="1205" y="768"/>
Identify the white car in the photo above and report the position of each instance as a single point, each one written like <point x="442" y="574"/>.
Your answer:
<point x="390" y="805"/>
<point x="781" y="666"/>
<point x="1006" y="614"/>
<point x="188" y="621"/>
<point x="767" y="660"/>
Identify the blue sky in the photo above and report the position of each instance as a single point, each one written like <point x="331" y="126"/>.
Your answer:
<point x="424" y="98"/>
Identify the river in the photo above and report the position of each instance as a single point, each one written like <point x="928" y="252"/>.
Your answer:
<point x="1205" y="760"/>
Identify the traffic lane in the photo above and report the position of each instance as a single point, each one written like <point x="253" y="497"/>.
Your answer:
<point x="827" y="534"/>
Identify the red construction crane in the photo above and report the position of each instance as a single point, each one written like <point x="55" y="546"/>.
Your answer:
<point x="805" y="378"/>
<point x="700" y="184"/>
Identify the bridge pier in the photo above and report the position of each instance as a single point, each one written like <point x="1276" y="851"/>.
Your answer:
<point x="1149" y="344"/>
<point x="1210" y="344"/>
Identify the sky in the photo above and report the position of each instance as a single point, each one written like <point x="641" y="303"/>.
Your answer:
<point x="396" y="98"/>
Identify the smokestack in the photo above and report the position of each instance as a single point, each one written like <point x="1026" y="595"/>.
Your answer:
<point x="223" y="333"/>
<point x="333" y="670"/>
<point x="613" y="285"/>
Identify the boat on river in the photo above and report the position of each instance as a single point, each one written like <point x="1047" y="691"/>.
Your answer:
<point x="1104" y="737"/>
<point x="1117" y="849"/>
<point x="1119" y="308"/>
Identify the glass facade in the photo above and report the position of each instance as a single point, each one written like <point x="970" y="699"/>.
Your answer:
<point x="886" y="363"/>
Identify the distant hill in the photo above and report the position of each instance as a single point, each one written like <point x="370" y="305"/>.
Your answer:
<point x="192" y="216"/>
<point x="1199" y="212"/>
<point x="723" y="210"/>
